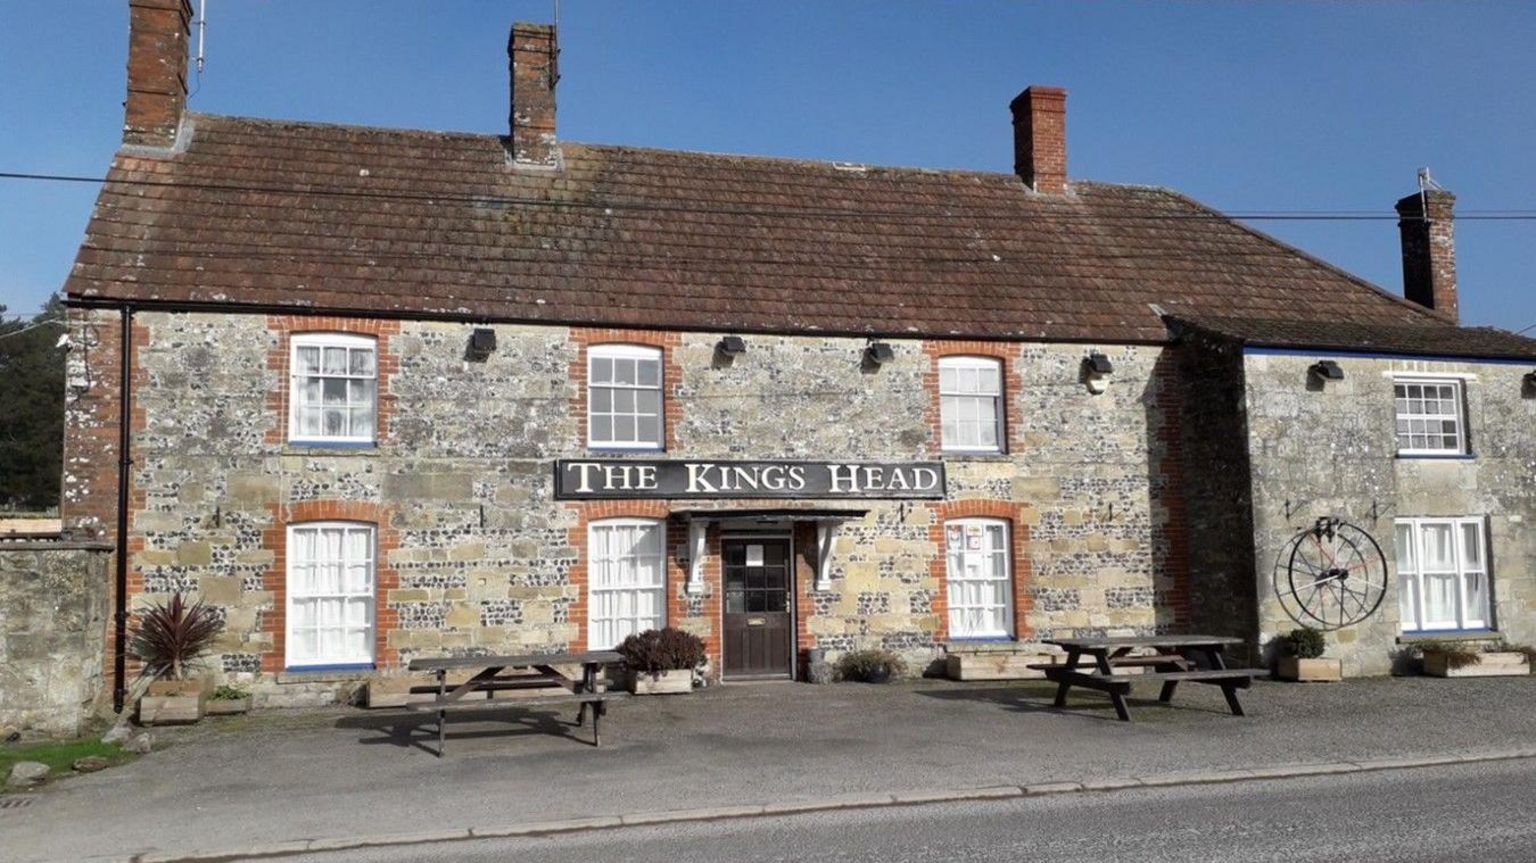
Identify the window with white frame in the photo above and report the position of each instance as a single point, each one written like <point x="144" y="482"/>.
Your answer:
<point x="333" y="395"/>
<point x="626" y="580"/>
<point x="624" y="397"/>
<point x="971" y="404"/>
<point x="330" y="594"/>
<point x="980" y="586"/>
<point x="1442" y="574"/>
<point x="1430" y="417"/>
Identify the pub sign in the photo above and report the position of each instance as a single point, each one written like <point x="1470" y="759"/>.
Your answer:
<point x="607" y="479"/>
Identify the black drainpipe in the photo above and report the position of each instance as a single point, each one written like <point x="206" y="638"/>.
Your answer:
<point x="124" y="464"/>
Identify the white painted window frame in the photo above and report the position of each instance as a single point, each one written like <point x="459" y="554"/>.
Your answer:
<point x="627" y="352"/>
<point x="1412" y="578"/>
<point x="978" y="363"/>
<point x="296" y="379"/>
<point x="594" y="563"/>
<point x="1458" y="386"/>
<point x="294" y="594"/>
<point x="1005" y="577"/>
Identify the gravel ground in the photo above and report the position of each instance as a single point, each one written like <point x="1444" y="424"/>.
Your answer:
<point x="340" y="773"/>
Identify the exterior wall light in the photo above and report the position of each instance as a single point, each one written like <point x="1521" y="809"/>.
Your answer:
<point x="482" y="343"/>
<point x="732" y="346"/>
<point x="1326" y="370"/>
<point x="879" y="353"/>
<point x="1528" y="384"/>
<point x="1096" y="371"/>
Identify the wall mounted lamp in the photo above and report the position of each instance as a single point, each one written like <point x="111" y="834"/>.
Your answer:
<point x="732" y="346"/>
<point x="1096" y="371"/>
<point x="1326" y="370"/>
<point x="1530" y="380"/>
<point x="879" y="353"/>
<point x="482" y="343"/>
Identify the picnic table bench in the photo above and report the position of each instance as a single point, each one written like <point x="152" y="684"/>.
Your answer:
<point x="534" y="671"/>
<point x="1176" y="659"/>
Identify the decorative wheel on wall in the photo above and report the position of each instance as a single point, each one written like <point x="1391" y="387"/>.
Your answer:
<point x="1331" y="575"/>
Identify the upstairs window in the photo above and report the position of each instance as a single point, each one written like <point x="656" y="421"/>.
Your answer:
<point x="971" y="404"/>
<point x="624" y="397"/>
<point x="1431" y="419"/>
<point x="334" y="391"/>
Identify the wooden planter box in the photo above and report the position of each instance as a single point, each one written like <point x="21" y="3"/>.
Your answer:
<point x="666" y="683"/>
<point x="995" y="665"/>
<point x="226" y="706"/>
<point x="173" y="702"/>
<point x="1508" y="664"/>
<point x="1320" y="670"/>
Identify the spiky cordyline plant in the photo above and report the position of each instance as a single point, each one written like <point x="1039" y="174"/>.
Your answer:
<point x="170" y="636"/>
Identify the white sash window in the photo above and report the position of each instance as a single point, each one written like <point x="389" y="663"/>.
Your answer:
<point x="1442" y="572"/>
<point x="624" y="397"/>
<point x="333" y="392"/>
<point x="971" y="404"/>
<point x="980" y="582"/>
<point x="330" y="594"/>
<point x="1430" y="418"/>
<point x="626" y="590"/>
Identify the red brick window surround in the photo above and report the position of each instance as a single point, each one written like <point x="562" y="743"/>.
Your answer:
<point x="668" y="343"/>
<point x="579" y="536"/>
<point x="274" y="621"/>
<point x="1010" y="514"/>
<point x="1005" y="355"/>
<point x="280" y="361"/>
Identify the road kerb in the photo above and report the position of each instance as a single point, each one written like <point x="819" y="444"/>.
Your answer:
<point x="842" y="802"/>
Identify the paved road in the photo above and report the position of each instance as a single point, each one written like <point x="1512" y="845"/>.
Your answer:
<point x="1475" y="812"/>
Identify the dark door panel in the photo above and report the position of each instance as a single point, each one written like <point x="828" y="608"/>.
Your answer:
<point x="758" y="627"/>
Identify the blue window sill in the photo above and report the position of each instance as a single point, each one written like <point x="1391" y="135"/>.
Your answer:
<point x="984" y="639"/>
<point x="1431" y="457"/>
<point x="321" y="669"/>
<point x="334" y="444"/>
<point x="1411" y="635"/>
<point x="622" y="450"/>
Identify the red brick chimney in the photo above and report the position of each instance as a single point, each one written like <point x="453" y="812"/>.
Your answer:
<point x="533" y="54"/>
<point x="1429" y="250"/>
<point x="1040" y="138"/>
<point x="157" y="71"/>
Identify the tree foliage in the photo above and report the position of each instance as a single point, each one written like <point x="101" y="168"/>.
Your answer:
<point x="31" y="409"/>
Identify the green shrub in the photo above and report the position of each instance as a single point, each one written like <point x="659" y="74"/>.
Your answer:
<point x="1457" y="654"/>
<point x="1304" y="643"/>
<point x="1502" y="646"/>
<point x="229" y="693"/>
<point x="870" y="666"/>
<point x="656" y="650"/>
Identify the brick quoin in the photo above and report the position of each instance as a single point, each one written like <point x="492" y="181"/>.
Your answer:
<point x="284" y="327"/>
<point x="671" y="375"/>
<point x="1013" y="385"/>
<point x="1022" y="566"/>
<point x="1174" y="529"/>
<point x="273" y="621"/>
<point x="807" y="559"/>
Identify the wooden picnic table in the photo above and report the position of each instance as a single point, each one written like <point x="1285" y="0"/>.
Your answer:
<point x="1174" y="659"/>
<point x="532" y="671"/>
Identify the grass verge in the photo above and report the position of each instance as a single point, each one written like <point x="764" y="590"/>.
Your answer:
<point x="60" y="756"/>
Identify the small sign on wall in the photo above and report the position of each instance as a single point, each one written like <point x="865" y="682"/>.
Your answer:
<point x="754" y="555"/>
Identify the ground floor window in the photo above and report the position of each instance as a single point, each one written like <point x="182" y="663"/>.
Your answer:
<point x="330" y="594"/>
<point x="1442" y="570"/>
<point x="980" y="594"/>
<point x="625" y="580"/>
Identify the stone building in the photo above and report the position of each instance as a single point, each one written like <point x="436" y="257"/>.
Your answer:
<point x="390" y="393"/>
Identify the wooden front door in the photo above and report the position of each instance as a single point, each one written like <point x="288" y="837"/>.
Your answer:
<point x="759" y="629"/>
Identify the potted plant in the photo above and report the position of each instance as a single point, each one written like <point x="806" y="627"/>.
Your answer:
<point x="1301" y="658"/>
<point x="662" y="661"/>
<point x="169" y="640"/>
<point x="227" y="701"/>
<point x="870" y="666"/>
<point x="1458" y="659"/>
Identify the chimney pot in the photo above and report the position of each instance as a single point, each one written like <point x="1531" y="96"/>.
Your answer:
<point x="1427" y="226"/>
<point x="1040" y="138"/>
<point x="157" y="71"/>
<point x="533" y="54"/>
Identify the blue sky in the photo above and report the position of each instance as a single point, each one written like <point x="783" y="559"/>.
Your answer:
<point x="1317" y="106"/>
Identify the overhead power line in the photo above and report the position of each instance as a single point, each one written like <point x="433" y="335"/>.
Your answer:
<point x="607" y="207"/>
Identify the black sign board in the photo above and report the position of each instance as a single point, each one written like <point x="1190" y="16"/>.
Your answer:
<point x="602" y="479"/>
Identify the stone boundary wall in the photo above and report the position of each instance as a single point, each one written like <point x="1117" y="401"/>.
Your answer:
<point x="54" y="613"/>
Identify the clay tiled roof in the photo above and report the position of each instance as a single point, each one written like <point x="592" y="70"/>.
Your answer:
<point x="283" y="214"/>
<point x="1447" y="341"/>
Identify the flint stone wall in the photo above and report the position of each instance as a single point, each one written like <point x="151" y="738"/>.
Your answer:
<point x="53" y="625"/>
<point x="1321" y="450"/>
